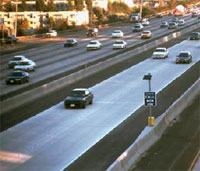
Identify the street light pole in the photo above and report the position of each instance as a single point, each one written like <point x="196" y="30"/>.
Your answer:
<point x="16" y="10"/>
<point x="141" y="4"/>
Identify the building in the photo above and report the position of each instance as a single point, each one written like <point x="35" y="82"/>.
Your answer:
<point x="38" y="19"/>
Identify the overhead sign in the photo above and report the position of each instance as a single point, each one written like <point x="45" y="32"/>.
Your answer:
<point x="1" y="20"/>
<point x="150" y="99"/>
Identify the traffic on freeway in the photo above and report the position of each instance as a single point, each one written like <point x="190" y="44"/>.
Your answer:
<point x="54" y="60"/>
<point x="73" y="131"/>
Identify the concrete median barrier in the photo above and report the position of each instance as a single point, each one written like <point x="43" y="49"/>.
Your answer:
<point x="29" y="96"/>
<point x="150" y="135"/>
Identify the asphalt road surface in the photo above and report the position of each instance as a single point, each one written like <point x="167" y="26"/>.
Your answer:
<point x="55" y="61"/>
<point x="66" y="134"/>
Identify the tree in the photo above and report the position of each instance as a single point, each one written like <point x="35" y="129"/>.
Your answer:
<point x="100" y="13"/>
<point x="40" y="6"/>
<point x="25" y="24"/>
<point x="79" y="5"/>
<point x="172" y="4"/>
<point x="70" y="5"/>
<point x="9" y="7"/>
<point x="24" y="6"/>
<point x="51" y="6"/>
<point x="90" y="9"/>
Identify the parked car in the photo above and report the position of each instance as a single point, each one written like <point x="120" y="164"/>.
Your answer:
<point x="11" y="39"/>
<point x="25" y="66"/>
<point x="17" y="77"/>
<point x="16" y="60"/>
<point x="160" y="53"/>
<point x="164" y="24"/>
<point x="79" y="97"/>
<point x="184" y="57"/>
<point x="70" y="43"/>
<point x="117" y="34"/>
<point x="146" y="34"/>
<point x="145" y="22"/>
<point x="173" y="25"/>
<point x="94" y="45"/>
<point x="137" y="27"/>
<point x="92" y="32"/>
<point x="195" y="36"/>
<point x="119" y="44"/>
<point x="181" y="22"/>
<point x="51" y="33"/>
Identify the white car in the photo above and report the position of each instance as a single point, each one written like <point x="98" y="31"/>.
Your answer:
<point x="117" y="34"/>
<point x="146" y="34"/>
<point x="145" y="22"/>
<point x="25" y="66"/>
<point x="137" y="27"/>
<point x="181" y="22"/>
<point x="94" y="45"/>
<point x="119" y="44"/>
<point x="16" y="60"/>
<point x="51" y="33"/>
<point x="160" y="53"/>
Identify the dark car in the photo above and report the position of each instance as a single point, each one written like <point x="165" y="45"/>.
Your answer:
<point x="79" y="97"/>
<point x="194" y="14"/>
<point x="184" y="57"/>
<point x="92" y="32"/>
<point x="173" y="25"/>
<point x="11" y="39"/>
<point x="195" y="36"/>
<point x="164" y="24"/>
<point x="17" y="77"/>
<point x="70" y="43"/>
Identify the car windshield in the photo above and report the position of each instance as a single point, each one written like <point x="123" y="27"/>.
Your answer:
<point x="16" y="74"/>
<point x="137" y="26"/>
<point x="77" y="94"/>
<point x="160" y="50"/>
<point x="164" y="22"/>
<point x="119" y="42"/>
<point x="183" y="55"/>
<point x="194" y="34"/>
<point x="24" y="63"/>
<point x="116" y="31"/>
<point x="172" y="24"/>
<point x="17" y="59"/>
<point x="146" y="32"/>
<point x="93" y="43"/>
<point x="70" y="41"/>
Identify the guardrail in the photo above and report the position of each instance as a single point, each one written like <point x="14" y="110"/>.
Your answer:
<point x="29" y="96"/>
<point x="150" y="135"/>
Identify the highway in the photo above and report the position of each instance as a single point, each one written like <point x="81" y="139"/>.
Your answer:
<point x="54" y="61"/>
<point x="66" y="134"/>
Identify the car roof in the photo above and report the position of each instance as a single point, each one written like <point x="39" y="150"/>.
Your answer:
<point x="185" y="52"/>
<point x="80" y="89"/>
<point x="94" y="41"/>
<point x="145" y="31"/>
<point x="161" y="48"/>
<point x="19" y="56"/>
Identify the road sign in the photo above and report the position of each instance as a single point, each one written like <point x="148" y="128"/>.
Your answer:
<point x="150" y="99"/>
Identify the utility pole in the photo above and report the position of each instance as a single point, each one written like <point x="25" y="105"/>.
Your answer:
<point x="141" y="4"/>
<point x="16" y="10"/>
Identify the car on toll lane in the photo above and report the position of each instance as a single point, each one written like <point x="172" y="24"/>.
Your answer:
<point x="94" y="45"/>
<point x="146" y="34"/>
<point x="79" y="97"/>
<point x="25" y="66"/>
<point x="70" y="43"/>
<point x="16" y="60"/>
<point x="160" y="53"/>
<point x="17" y="77"/>
<point x="119" y="44"/>
<point x="184" y="57"/>
<point x="117" y="34"/>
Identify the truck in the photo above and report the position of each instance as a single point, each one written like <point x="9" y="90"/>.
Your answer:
<point x="135" y="17"/>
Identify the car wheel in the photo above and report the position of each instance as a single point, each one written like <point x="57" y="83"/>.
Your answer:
<point x="91" y="101"/>
<point x="83" y="106"/>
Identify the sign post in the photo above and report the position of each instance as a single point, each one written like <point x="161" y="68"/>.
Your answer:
<point x="150" y="100"/>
